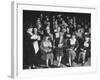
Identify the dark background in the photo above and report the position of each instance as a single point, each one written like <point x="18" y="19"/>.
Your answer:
<point x="30" y="17"/>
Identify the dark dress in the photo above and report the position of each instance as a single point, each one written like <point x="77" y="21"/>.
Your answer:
<point x="58" y="50"/>
<point x="27" y="49"/>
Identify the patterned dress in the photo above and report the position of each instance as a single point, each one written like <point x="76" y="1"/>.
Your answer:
<point x="58" y="49"/>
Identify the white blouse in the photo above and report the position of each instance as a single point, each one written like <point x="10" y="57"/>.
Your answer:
<point x="86" y="44"/>
<point x="72" y="41"/>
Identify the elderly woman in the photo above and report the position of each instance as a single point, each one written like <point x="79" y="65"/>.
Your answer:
<point x="46" y="50"/>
